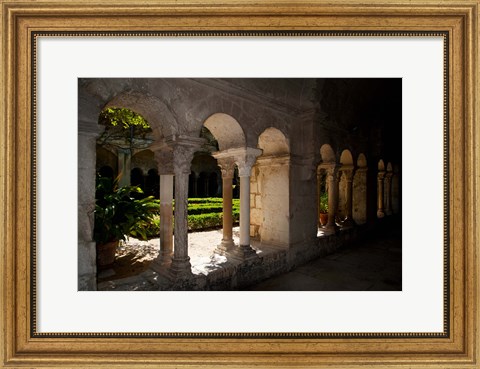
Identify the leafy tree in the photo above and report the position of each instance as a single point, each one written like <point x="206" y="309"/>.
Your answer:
<point x="123" y="128"/>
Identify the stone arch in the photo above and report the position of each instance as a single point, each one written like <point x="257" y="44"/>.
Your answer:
<point x="145" y="160"/>
<point x="270" y="192"/>
<point x="327" y="154"/>
<point x="104" y="158"/>
<point x="137" y="178"/>
<point x="346" y="158"/>
<point x="106" y="171"/>
<point x="346" y="170"/>
<point x="328" y="161"/>
<point x="360" y="190"/>
<point x="152" y="183"/>
<point x="162" y="122"/>
<point x="381" y="165"/>
<point x="362" y="161"/>
<point x="273" y="142"/>
<point x="226" y="130"/>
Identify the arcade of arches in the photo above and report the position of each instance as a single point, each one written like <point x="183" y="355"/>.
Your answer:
<point x="279" y="145"/>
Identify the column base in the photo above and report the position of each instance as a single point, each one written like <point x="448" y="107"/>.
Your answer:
<point x="164" y="258"/>
<point x="330" y="229"/>
<point x="244" y="252"/>
<point x="388" y="212"/>
<point x="162" y="264"/>
<point x="181" y="269"/>
<point x="225" y="247"/>
<point x="380" y="214"/>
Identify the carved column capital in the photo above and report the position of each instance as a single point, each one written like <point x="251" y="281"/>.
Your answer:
<point x="381" y="175"/>
<point x="332" y="172"/>
<point x="182" y="159"/>
<point x="227" y="166"/>
<point x="164" y="159"/>
<point x="174" y="154"/>
<point x="348" y="174"/>
<point x="246" y="159"/>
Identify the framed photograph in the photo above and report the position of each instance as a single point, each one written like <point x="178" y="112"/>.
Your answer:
<point x="235" y="184"/>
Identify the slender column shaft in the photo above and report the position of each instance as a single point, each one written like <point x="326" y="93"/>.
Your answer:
<point x="181" y="209"/>
<point x="332" y="197"/>
<point x="124" y="167"/>
<point x="227" y="166"/>
<point x="245" y="211"/>
<point x="349" y="199"/>
<point x="166" y="217"/>
<point x="348" y="221"/>
<point x="380" y="177"/>
<point x="227" y="209"/>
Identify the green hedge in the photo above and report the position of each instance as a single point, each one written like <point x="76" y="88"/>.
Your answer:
<point x="202" y="214"/>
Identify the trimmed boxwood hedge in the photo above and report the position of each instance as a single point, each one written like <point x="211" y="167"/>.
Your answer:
<point x="203" y="214"/>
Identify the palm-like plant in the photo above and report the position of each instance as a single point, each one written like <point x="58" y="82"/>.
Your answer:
<point x="119" y="213"/>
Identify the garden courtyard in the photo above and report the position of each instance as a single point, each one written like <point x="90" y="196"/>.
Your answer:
<point x="217" y="184"/>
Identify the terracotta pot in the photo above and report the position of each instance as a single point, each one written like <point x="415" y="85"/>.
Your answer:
<point x="323" y="219"/>
<point x="106" y="253"/>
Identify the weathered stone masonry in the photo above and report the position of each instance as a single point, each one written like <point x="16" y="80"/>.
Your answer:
<point x="287" y="139"/>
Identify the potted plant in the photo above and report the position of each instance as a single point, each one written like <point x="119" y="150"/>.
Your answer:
<point x="323" y="209"/>
<point x="118" y="214"/>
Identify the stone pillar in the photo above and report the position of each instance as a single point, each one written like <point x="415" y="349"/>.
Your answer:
<point x="380" y="178"/>
<point x="227" y="167"/>
<point x="245" y="160"/>
<point x="164" y="159"/>
<point x="183" y="150"/>
<point x="166" y="218"/>
<point x="360" y="195"/>
<point x="87" y="254"/>
<point x="124" y="167"/>
<point x="332" y="183"/>
<point x="388" y="193"/>
<point x="348" y="221"/>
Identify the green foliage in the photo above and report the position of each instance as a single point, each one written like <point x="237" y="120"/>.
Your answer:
<point x="119" y="214"/>
<point x="205" y="200"/>
<point x="123" y="128"/>
<point x="323" y="203"/>
<point x="204" y="208"/>
<point x="201" y="222"/>
<point x="122" y="117"/>
<point x="204" y="213"/>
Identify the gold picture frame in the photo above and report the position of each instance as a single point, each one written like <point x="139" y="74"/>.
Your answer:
<point x="21" y="347"/>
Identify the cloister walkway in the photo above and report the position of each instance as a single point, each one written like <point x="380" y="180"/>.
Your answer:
<point x="372" y="264"/>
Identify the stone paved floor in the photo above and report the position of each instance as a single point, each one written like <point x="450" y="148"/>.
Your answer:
<point x="374" y="264"/>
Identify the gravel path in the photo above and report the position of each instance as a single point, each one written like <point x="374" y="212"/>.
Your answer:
<point x="134" y="256"/>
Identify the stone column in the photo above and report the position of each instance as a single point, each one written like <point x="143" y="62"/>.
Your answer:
<point x="164" y="160"/>
<point x="332" y="183"/>
<point x="348" y="221"/>
<point x="183" y="150"/>
<point x="388" y="193"/>
<point x="124" y="166"/>
<point x="245" y="160"/>
<point x="87" y="254"/>
<point x="166" y="218"/>
<point x="380" y="178"/>
<point x="360" y="195"/>
<point x="227" y="167"/>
